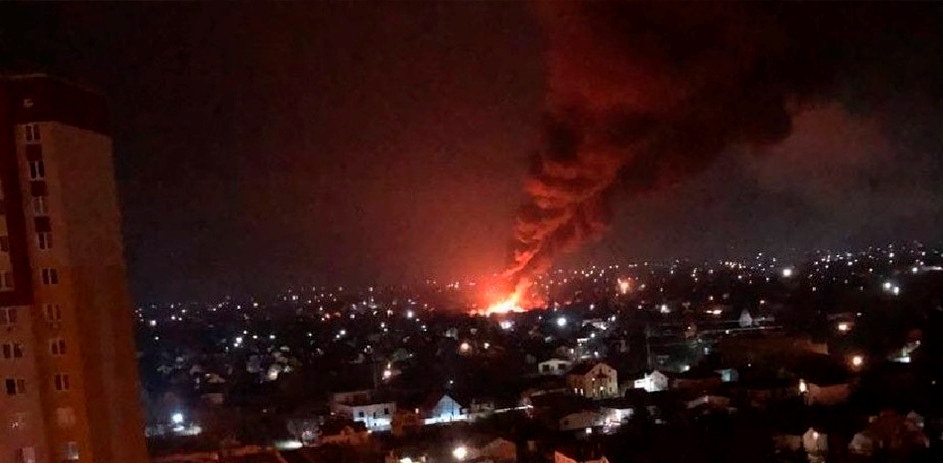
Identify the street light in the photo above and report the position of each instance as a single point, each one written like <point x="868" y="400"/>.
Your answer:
<point x="460" y="452"/>
<point x="176" y="418"/>
<point x="561" y="321"/>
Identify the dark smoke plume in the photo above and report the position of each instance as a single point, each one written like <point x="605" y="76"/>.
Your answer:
<point x="644" y="94"/>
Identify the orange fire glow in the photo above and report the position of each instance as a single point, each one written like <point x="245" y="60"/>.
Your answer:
<point x="511" y="304"/>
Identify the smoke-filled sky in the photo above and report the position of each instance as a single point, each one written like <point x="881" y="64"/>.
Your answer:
<point x="267" y="144"/>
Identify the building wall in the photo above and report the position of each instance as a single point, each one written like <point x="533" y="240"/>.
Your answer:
<point x="588" y="385"/>
<point x="445" y="410"/>
<point x="553" y="367"/>
<point x="376" y="416"/>
<point x="98" y="414"/>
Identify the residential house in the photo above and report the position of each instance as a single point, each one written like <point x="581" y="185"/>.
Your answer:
<point x="652" y="381"/>
<point x="365" y="407"/>
<point x="442" y="408"/>
<point x="554" y="366"/>
<point x="617" y="411"/>
<point x="596" y="381"/>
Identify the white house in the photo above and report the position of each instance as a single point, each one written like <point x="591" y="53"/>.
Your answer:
<point x="651" y="382"/>
<point x="444" y="409"/>
<point x="616" y="413"/>
<point x="596" y="381"/>
<point x="361" y="406"/>
<point x="554" y="366"/>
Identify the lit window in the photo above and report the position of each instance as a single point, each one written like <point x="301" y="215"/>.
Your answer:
<point x="70" y="451"/>
<point x="50" y="276"/>
<point x="65" y="416"/>
<point x="57" y="346"/>
<point x="62" y="382"/>
<point x="44" y="240"/>
<point x="37" y="170"/>
<point x="53" y="312"/>
<point x="7" y="316"/>
<point x="15" y="386"/>
<point x="39" y="205"/>
<point x="32" y="132"/>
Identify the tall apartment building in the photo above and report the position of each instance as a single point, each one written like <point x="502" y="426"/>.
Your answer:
<point x="68" y="374"/>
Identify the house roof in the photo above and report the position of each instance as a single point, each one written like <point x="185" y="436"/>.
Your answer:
<point x="433" y="399"/>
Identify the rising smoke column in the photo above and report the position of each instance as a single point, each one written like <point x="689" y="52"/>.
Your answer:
<point x="640" y="95"/>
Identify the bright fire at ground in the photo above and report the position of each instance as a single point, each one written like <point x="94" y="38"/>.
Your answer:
<point x="508" y="305"/>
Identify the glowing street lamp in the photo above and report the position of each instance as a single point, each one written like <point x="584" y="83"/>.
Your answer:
<point x="561" y="322"/>
<point x="176" y="418"/>
<point x="857" y="361"/>
<point x="460" y="452"/>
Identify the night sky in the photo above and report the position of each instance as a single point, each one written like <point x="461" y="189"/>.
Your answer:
<point x="264" y="145"/>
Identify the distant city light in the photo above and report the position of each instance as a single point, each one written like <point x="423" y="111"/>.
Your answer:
<point x="664" y="308"/>
<point x="460" y="452"/>
<point x="464" y="347"/>
<point x="176" y="418"/>
<point x="844" y="326"/>
<point x="787" y="272"/>
<point x="887" y="285"/>
<point x="410" y="314"/>
<point x="561" y="321"/>
<point x="857" y="361"/>
<point x="803" y="387"/>
<point x="624" y="286"/>
<point x="506" y="324"/>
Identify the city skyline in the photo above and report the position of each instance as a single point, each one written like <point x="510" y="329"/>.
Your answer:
<point x="342" y="144"/>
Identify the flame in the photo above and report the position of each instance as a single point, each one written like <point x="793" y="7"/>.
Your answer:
<point x="511" y="304"/>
